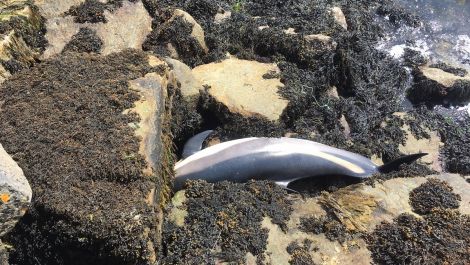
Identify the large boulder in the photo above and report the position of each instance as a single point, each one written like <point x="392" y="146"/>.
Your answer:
<point x="15" y="192"/>
<point x="247" y="88"/>
<point x="92" y="136"/>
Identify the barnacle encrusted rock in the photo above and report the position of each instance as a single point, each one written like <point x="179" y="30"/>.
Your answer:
<point x="242" y="86"/>
<point x="92" y="135"/>
<point x="15" y="192"/>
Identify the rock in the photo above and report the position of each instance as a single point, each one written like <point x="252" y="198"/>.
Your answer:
<point x="15" y="192"/>
<point x="3" y="255"/>
<point x="55" y="8"/>
<point x="431" y="146"/>
<point x="241" y="86"/>
<point x="179" y="37"/>
<point x="60" y="31"/>
<point x="100" y="167"/>
<point x="197" y="32"/>
<point x="437" y="86"/>
<point x="324" y="40"/>
<point x="126" y="27"/>
<point x="339" y="16"/>
<point x="190" y="86"/>
<point x="22" y="39"/>
<point x="358" y="208"/>
<point x="221" y="17"/>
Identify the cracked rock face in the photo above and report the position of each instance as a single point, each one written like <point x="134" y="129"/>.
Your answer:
<point x="15" y="192"/>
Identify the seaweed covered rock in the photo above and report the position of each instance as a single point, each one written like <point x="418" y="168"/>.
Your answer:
<point x="186" y="120"/>
<point x="91" y="134"/>
<point x="15" y="192"/>
<point x="414" y="144"/>
<point x="85" y="40"/>
<point x="126" y="24"/>
<point x="21" y="36"/>
<point x="411" y="240"/>
<point x="178" y="36"/>
<point x="434" y="194"/>
<point x="3" y="255"/>
<point x="211" y="223"/>
<point x="439" y="85"/>
<point x="323" y="229"/>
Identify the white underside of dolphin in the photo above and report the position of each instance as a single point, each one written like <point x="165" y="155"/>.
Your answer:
<point x="282" y="160"/>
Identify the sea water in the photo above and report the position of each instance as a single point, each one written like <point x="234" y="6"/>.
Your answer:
<point x="444" y="33"/>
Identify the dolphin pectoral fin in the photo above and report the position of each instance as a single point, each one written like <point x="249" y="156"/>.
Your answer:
<point x="194" y="144"/>
<point x="284" y="184"/>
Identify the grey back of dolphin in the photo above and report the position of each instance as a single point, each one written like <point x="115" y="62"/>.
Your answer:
<point x="278" y="159"/>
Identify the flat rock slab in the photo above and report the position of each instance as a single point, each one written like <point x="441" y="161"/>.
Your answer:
<point x="15" y="192"/>
<point x="87" y="131"/>
<point x="242" y="86"/>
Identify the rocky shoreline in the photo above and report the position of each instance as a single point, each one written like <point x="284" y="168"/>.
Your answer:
<point x="97" y="99"/>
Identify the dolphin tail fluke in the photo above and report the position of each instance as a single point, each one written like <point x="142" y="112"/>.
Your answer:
<point x="194" y="144"/>
<point x="395" y="164"/>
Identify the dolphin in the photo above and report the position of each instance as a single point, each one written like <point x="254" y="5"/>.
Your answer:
<point x="282" y="160"/>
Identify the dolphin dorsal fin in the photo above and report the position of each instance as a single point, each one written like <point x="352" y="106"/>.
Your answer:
<point x="395" y="164"/>
<point x="194" y="144"/>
